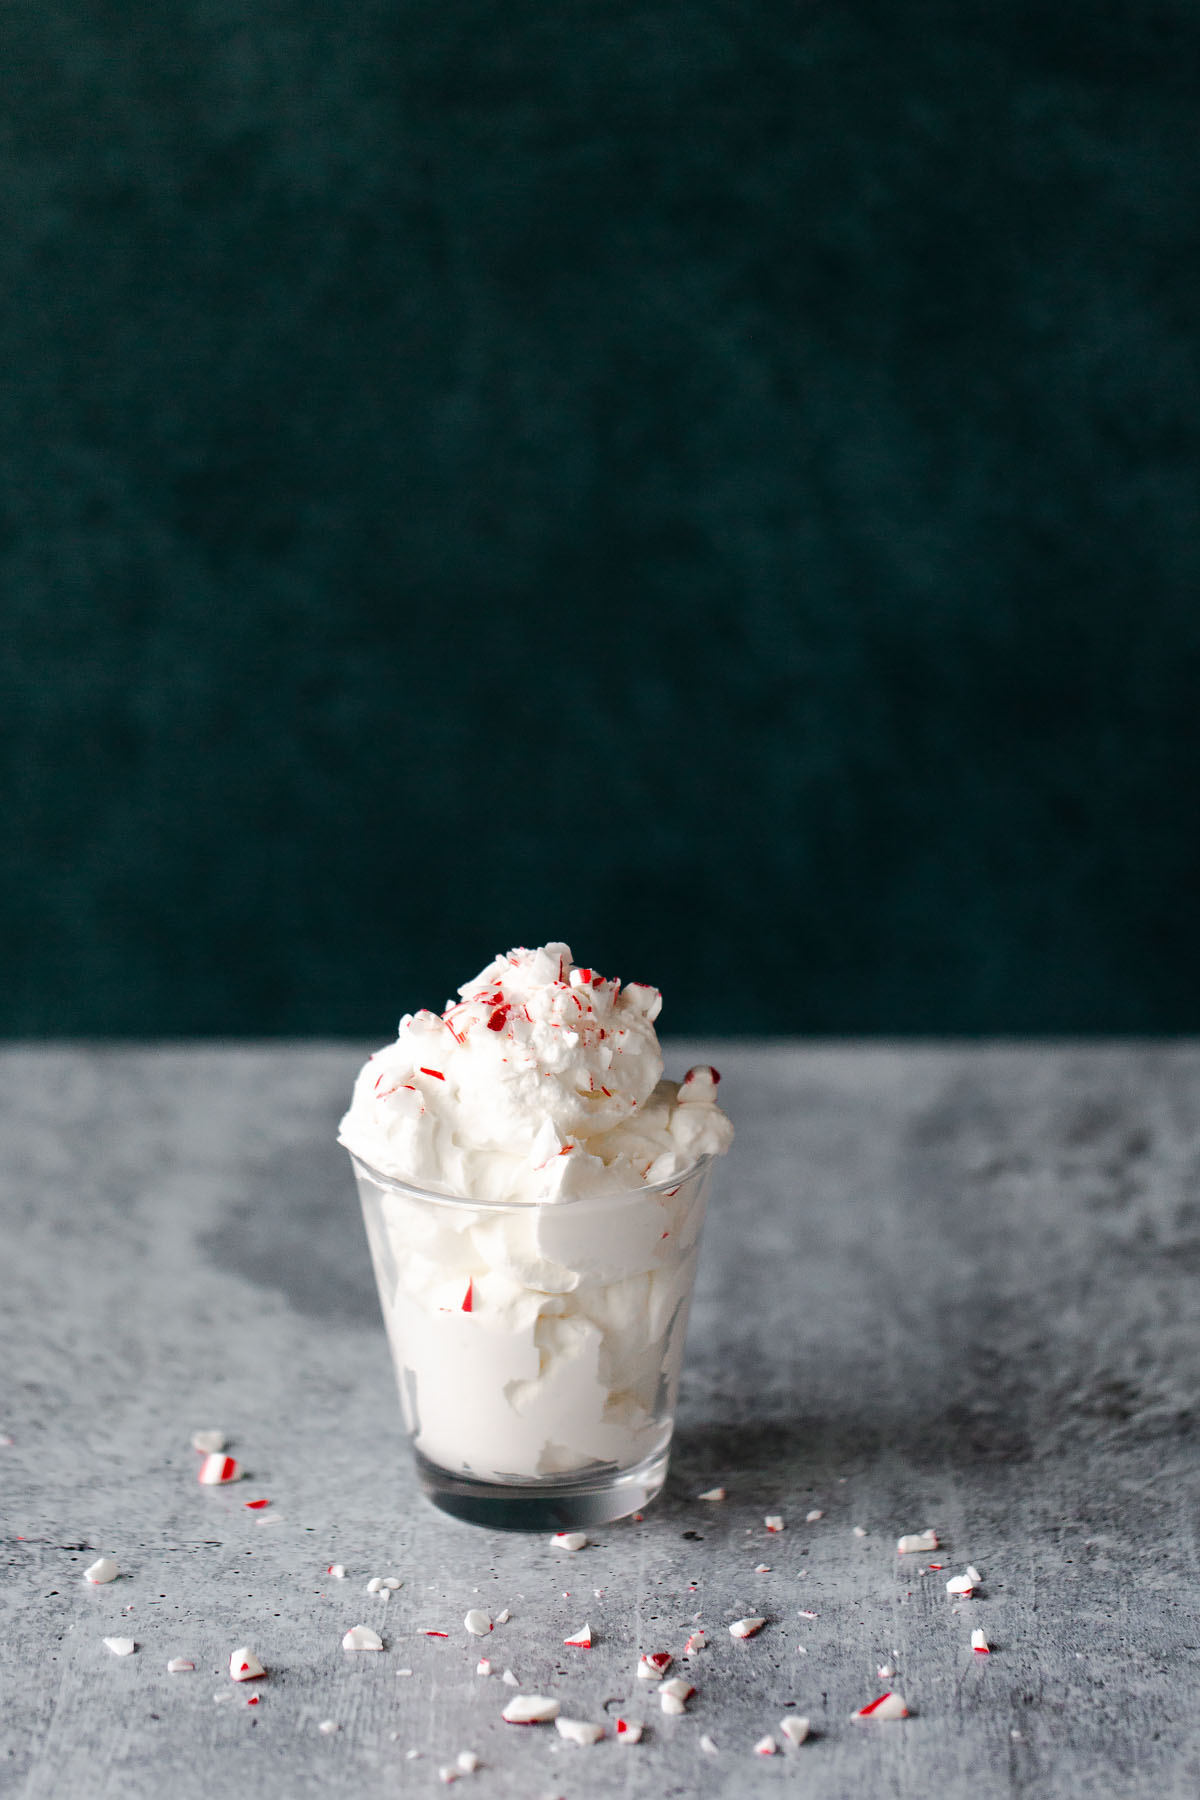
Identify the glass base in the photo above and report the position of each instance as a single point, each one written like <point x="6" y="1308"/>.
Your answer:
<point x="553" y="1504"/>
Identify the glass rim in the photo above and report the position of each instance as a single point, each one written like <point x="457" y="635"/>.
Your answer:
<point x="446" y="1197"/>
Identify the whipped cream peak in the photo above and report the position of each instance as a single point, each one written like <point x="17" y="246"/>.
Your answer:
<point x="542" y="1082"/>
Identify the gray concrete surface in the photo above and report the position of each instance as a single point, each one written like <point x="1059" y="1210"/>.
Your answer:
<point x="942" y="1285"/>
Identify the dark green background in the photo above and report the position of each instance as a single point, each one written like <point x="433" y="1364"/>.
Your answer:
<point x="715" y="482"/>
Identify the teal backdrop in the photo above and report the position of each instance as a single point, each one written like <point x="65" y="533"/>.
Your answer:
<point x="714" y="482"/>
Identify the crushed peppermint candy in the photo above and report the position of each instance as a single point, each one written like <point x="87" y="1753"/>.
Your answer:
<point x="582" y="1639"/>
<point x="774" y="1522"/>
<point x="209" y="1443"/>
<point x="568" y="1540"/>
<point x="746" y="1628"/>
<point x="477" y="1623"/>
<point x="973" y="1574"/>
<point x="762" y="1568"/>
<point x="361" y="1637"/>
<point x="697" y="1641"/>
<point x="654" y="1665"/>
<point x="708" y="1747"/>
<point x="102" y="1570"/>
<point x="509" y="1679"/>
<point x="674" y="1695"/>
<point x="794" y="1730"/>
<point x="468" y="1761"/>
<point x="337" y="1571"/>
<point x="383" y="1584"/>
<point x="961" y="1586"/>
<point x="255" y="1505"/>
<point x="888" y="1706"/>
<point x="502" y="1618"/>
<point x="980" y="1644"/>
<point x="181" y="1665"/>
<point x="244" y="1665"/>
<point x="807" y="1613"/>
<point x="216" y="1471"/>
<point x="860" y="1531"/>
<point x="483" y="1666"/>
<point x="810" y="1518"/>
<point x="629" y="1731"/>
<point x="578" y="1731"/>
<point x="712" y="1494"/>
<point x="915" y="1541"/>
<point x="328" y="1727"/>
<point x="530" y="1709"/>
<point x="885" y="1671"/>
<point x="766" y="1746"/>
<point x="120" y="1646"/>
<point x="447" y="1773"/>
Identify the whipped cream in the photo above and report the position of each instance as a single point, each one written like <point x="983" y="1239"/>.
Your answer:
<point x="539" y="1331"/>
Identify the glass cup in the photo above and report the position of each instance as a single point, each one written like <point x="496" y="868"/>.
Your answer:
<point x="537" y="1346"/>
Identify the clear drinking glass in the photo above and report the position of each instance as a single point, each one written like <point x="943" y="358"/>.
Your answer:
<point x="537" y="1347"/>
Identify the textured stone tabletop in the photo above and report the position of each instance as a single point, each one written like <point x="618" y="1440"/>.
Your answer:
<point x="946" y="1286"/>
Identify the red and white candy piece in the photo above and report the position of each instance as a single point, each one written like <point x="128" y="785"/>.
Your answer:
<point x="255" y="1505"/>
<point x="712" y="1494"/>
<point x="807" y="1613"/>
<point x="697" y="1641"/>
<point x="483" y="1666"/>
<point x="793" y="1730"/>
<point x="102" y="1570"/>
<point x="361" y="1637"/>
<point x="629" y="1731"/>
<point x="180" y="1665"/>
<point x="961" y="1587"/>
<point x="568" y="1540"/>
<point x="980" y="1644"/>
<point x="810" y="1518"/>
<point x="209" y="1443"/>
<point x="885" y="1671"/>
<point x="120" y="1646"/>
<point x="915" y="1541"/>
<point x="762" y="1568"/>
<point x="746" y="1628"/>
<point x="887" y="1706"/>
<point x="674" y="1695"/>
<point x="582" y="1639"/>
<point x="578" y="1731"/>
<point x="774" y="1522"/>
<point x="766" y="1746"/>
<point x="530" y="1709"/>
<point x="337" y="1570"/>
<point x="244" y="1665"/>
<point x="477" y="1623"/>
<point x="447" y="1773"/>
<point x="217" y="1470"/>
<point x="654" y="1665"/>
<point x="699" y="1086"/>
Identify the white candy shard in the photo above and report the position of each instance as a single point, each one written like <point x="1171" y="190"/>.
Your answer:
<point x="244" y="1665"/>
<point x="447" y="1773"/>
<point x="746" y="1628"/>
<point x="885" y="1671"/>
<point x="328" y="1726"/>
<point x="979" y="1642"/>
<point x="860" y="1531"/>
<point x="483" y="1666"/>
<point x="361" y="1637"/>
<point x="582" y="1639"/>
<point x="708" y="1747"/>
<point x="712" y="1494"/>
<point x="216" y="1471"/>
<point x="960" y="1585"/>
<point x="121" y="1646"/>
<point x="697" y="1641"/>
<point x="374" y="1585"/>
<point x="793" y="1729"/>
<point x="654" y="1666"/>
<point x="888" y="1706"/>
<point x="477" y="1623"/>
<point x="209" y="1443"/>
<point x="102" y="1570"/>
<point x="774" y="1522"/>
<point x="468" y="1761"/>
<point x="915" y="1541"/>
<point x="629" y="1731"/>
<point x="674" y="1695"/>
<point x="569" y="1540"/>
<point x="509" y="1679"/>
<point x="766" y="1746"/>
<point x="337" y="1570"/>
<point x="811" y="1518"/>
<point x="578" y="1731"/>
<point x="973" y="1574"/>
<point x="502" y="1618"/>
<point x="180" y="1665"/>
<point x="530" y="1709"/>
